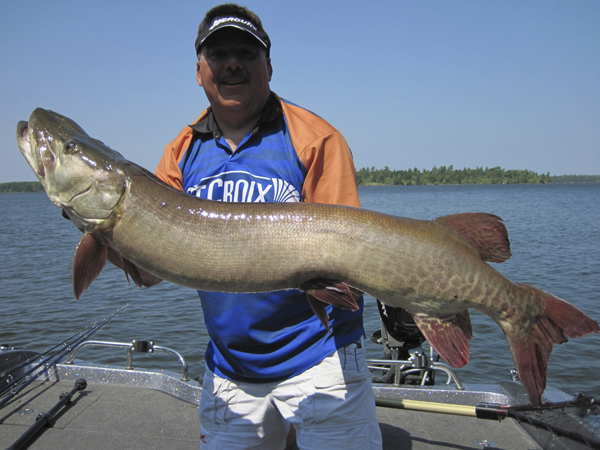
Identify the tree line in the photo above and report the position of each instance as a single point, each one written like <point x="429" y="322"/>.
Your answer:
<point x="21" y="186"/>
<point x="448" y="175"/>
<point x="576" y="179"/>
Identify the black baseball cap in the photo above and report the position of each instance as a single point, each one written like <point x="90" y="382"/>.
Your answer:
<point x="240" y="23"/>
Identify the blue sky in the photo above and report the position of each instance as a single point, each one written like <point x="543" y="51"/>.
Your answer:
<point x="410" y="84"/>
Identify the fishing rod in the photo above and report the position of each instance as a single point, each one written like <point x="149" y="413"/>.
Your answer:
<point x="495" y="412"/>
<point x="67" y="342"/>
<point x="27" y="361"/>
<point x="66" y="347"/>
<point x="14" y="385"/>
<point x="19" y="383"/>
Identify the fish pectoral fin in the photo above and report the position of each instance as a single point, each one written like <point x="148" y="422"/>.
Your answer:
<point x="318" y="308"/>
<point x="88" y="262"/>
<point x="335" y="293"/>
<point x="147" y="279"/>
<point x="531" y="351"/>
<point x="448" y="335"/>
<point x="321" y="290"/>
<point x="486" y="232"/>
<point x="139" y="276"/>
<point x="117" y="260"/>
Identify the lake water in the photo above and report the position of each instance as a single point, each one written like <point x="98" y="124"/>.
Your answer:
<point x="555" y="237"/>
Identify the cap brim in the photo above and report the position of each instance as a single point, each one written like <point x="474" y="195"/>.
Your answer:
<point x="232" y="25"/>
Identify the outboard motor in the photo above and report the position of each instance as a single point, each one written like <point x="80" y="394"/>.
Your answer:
<point x="398" y="335"/>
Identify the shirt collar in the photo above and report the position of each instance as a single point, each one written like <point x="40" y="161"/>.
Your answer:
<point x="208" y="124"/>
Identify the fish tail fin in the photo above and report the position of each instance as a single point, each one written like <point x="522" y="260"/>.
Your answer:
<point x="531" y="352"/>
<point x="88" y="262"/>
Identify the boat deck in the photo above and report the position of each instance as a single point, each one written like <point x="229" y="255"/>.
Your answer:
<point x="106" y="416"/>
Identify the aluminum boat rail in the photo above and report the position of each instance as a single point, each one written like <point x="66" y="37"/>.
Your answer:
<point x="416" y="364"/>
<point x="135" y="346"/>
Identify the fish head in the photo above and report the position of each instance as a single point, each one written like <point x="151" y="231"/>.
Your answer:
<point x="80" y="174"/>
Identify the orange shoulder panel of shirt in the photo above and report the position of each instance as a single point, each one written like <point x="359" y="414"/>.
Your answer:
<point x="168" y="167"/>
<point x="331" y="176"/>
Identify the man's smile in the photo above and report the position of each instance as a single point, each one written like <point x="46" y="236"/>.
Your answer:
<point x="234" y="81"/>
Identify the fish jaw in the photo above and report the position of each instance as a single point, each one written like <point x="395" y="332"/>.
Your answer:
<point x="23" y="140"/>
<point x="72" y="168"/>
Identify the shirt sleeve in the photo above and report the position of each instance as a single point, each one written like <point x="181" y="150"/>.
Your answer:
<point x="331" y="176"/>
<point x="168" y="167"/>
<point x="326" y="156"/>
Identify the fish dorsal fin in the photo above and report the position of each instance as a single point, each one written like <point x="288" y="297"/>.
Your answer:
<point x="88" y="262"/>
<point x="486" y="232"/>
<point x="448" y="335"/>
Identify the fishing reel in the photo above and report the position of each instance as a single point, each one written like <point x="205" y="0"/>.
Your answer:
<point x="398" y="335"/>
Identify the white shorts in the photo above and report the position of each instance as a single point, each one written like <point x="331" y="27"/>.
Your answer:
<point x="330" y="406"/>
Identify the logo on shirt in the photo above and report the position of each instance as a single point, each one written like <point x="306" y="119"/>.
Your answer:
<point x="240" y="186"/>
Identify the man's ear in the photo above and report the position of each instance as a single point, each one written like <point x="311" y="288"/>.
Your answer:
<point x="198" y="76"/>
<point x="269" y="68"/>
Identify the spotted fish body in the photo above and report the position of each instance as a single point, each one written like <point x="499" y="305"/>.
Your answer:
<point x="434" y="269"/>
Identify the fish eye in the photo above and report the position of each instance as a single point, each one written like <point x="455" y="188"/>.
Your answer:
<point x="70" y="146"/>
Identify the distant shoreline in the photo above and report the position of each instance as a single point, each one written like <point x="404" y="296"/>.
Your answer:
<point x="21" y="187"/>
<point x="450" y="176"/>
<point x="412" y="177"/>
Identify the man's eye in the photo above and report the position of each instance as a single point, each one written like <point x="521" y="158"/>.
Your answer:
<point x="248" y="54"/>
<point x="217" y="54"/>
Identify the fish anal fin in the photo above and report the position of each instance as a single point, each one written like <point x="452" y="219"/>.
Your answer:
<point x="88" y="262"/>
<point x="333" y="292"/>
<point x="448" y="335"/>
<point x="532" y="351"/>
<point x="486" y="232"/>
<point x="318" y="308"/>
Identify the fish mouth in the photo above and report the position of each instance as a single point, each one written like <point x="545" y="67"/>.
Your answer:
<point x="30" y="154"/>
<point x="76" y="196"/>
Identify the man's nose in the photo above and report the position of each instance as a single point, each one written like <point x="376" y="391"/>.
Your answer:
<point x="233" y="61"/>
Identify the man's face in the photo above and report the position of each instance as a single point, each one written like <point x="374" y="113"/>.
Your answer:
<point x="234" y="71"/>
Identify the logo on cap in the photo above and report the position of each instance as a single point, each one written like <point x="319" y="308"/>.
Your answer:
<point x="221" y="20"/>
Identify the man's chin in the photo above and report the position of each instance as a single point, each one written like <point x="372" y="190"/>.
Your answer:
<point x="228" y="90"/>
<point x="234" y="103"/>
<point x="234" y="99"/>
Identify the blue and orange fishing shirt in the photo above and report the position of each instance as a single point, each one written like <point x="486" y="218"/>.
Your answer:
<point x="292" y="155"/>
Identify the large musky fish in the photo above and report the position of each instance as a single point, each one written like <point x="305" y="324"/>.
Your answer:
<point x="434" y="269"/>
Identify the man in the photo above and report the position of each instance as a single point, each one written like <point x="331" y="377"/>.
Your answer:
<point x="270" y="362"/>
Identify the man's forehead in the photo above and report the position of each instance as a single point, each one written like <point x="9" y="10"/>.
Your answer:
<point x="231" y="36"/>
